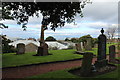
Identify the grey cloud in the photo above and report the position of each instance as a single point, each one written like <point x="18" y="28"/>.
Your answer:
<point x="100" y="11"/>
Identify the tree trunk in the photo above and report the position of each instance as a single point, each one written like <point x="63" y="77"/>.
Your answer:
<point x="42" y="36"/>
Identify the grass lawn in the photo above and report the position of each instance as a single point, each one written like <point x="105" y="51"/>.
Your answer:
<point x="66" y="74"/>
<point x="11" y="59"/>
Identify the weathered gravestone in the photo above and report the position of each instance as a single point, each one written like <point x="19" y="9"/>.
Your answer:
<point x="42" y="50"/>
<point x="101" y="57"/>
<point x="88" y="44"/>
<point x="112" y="53"/>
<point x="78" y="47"/>
<point x="31" y="48"/>
<point x="86" y="67"/>
<point x="20" y="48"/>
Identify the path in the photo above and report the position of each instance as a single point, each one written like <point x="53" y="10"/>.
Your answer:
<point x="32" y="70"/>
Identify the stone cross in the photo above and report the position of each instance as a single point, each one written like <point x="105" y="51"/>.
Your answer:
<point x="20" y="48"/>
<point x="112" y="53"/>
<point x="86" y="67"/>
<point x="101" y="57"/>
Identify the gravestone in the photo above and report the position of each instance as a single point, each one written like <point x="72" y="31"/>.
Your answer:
<point x="42" y="50"/>
<point x="112" y="53"/>
<point x="78" y="47"/>
<point x="31" y="48"/>
<point x="20" y="48"/>
<point x="86" y="67"/>
<point x="88" y="44"/>
<point x="101" y="57"/>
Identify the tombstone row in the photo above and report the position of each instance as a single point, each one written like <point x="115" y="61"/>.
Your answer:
<point x="42" y="50"/>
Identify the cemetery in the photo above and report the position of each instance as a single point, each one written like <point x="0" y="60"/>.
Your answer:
<point x="103" y="65"/>
<point x="81" y="58"/>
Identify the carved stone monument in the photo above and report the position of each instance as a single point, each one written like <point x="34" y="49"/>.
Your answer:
<point x="20" y="48"/>
<point x="86" y="67"/>
<point x="101" y="57"/>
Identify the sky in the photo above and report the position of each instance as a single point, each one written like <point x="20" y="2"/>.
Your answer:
<point x="99" y="14"/>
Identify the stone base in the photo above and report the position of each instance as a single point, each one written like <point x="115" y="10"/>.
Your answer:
<point x="101" y="63"/>
<point x="115" y="61"/>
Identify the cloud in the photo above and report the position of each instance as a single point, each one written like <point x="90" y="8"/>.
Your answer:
<point x="100" y="11"/>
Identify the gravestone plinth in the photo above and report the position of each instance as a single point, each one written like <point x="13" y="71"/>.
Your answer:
<point x="101" y="57"/>
<point x="88" y="44"/>
<point x="78" y="47"/>
<point x="86" y="67"/>
<point x="42" y="50"/>
<point x="20" y="48"/>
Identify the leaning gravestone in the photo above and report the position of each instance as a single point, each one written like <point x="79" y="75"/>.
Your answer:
<point x="42" y="50"/>
<point x="86" y="67"/>
<point x="101" y="57"/>
<point x="20" y="48"/>
<point x="78" y="47"/>
<point x="112" y="53"/>
<point x="88" y="45"/>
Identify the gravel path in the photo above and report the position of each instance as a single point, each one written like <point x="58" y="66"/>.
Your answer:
<point x="32" y="70"/>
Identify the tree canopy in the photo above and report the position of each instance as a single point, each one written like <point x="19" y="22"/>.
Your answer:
<point x="50" y="38"/>
<point x="54" y="13"/>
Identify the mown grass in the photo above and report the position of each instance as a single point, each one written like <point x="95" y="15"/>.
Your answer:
<point x="11" y="59"/>
<point x="66" y="74"/>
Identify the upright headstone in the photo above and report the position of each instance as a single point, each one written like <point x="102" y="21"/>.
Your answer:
<point x="88" y="45"/>
<point x="101" y="57"/>
<point x="31" y="48"/>
<point x="42" y="50"/>
<point x="112" y="53"/>
<point x="86" y="67"/>
<point x="20" y="48"/>
<point x="78" y="47"/>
